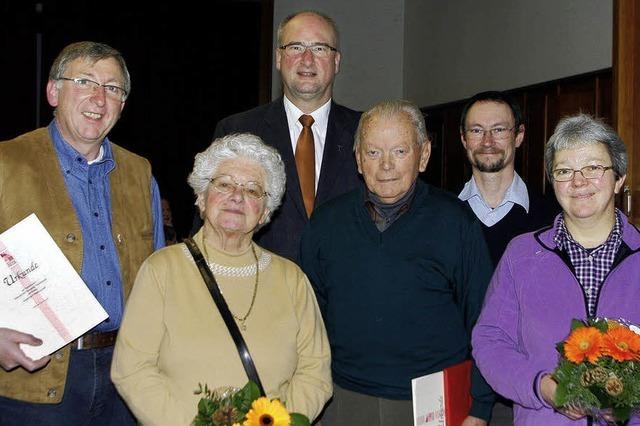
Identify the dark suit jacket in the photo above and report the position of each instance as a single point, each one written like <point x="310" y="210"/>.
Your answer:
<point x="338" y="173"/>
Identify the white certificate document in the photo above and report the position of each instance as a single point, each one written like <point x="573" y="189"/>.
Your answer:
<point x="428" y="400"/>
<point x="40" y="292"/>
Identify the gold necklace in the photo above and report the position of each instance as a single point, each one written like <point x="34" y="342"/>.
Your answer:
<point x="241" y="321"/>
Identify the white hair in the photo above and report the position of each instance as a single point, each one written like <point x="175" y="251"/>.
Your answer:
<point x="239" y="146"/>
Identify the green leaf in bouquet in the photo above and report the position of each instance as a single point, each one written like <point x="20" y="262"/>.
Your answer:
<point x="621" y="414"/>
<point x="576" y="323"/>
<point x="298" y="419"/>
<point x="561" y="395"/>
<point x="601" y="325"/>
<point x="603" y="398"/>
<point x="200" y="421"/>
<point x="560" y="348"/>
<point x="569" y="389"/>
<point x="207" y="406"/>
<point x="244" y="397"/>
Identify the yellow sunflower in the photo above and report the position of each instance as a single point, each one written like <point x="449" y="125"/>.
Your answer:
<point x="267" y="413"/>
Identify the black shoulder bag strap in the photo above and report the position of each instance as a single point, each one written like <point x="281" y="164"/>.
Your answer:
<point x="212" y="285"/>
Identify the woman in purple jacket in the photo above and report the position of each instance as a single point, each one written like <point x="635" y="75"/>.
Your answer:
<point x="587" y="264"/>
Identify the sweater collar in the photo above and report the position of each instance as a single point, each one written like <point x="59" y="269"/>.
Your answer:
<point x="384" y="214"/>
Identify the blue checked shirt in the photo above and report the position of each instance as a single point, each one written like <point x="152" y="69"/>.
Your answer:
<point x="90" y="192"/>
<point x="592" y="265"/>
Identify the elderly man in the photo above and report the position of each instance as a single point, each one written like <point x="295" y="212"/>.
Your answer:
<point x="101" y="205"/>
<point x="400" y="269"/>
<point x="312" y="133"/>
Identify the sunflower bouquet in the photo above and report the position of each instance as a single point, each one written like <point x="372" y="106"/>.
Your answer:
<point x="599" y="368"/>
<point x="242" y="407"/>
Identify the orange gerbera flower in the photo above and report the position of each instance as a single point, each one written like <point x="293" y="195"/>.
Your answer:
<point x="621" y="344"/>
<point x="267" y="413"/>
<point x="583" y="343"/>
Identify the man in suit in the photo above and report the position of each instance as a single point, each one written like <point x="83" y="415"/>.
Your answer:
<point x="308" y="59"/>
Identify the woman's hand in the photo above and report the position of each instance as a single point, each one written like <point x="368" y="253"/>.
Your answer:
<point x="548" y="391"/>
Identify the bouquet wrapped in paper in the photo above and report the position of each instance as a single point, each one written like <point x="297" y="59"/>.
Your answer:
<point x="242" y="407"/>
<point x="599" y="369"/>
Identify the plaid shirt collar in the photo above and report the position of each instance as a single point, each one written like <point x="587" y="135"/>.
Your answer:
<point x="563" y="238"/>
<point x="591" y="265"/>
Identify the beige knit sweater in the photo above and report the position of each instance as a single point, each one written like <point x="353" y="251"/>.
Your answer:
<point x="172" y="336"/>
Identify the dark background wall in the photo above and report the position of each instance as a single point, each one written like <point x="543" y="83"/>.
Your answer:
<point x="191" y="64"/>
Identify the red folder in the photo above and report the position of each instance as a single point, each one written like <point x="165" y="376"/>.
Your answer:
<point x="457" y="396"/>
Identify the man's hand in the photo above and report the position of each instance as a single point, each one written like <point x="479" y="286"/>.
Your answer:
<point x="473" y="421"/>
<point x="11" y="356"/>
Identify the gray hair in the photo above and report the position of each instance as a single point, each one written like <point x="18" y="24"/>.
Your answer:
<point x="581" y="130"/>
<point x="390" y="110"/>
<point x="92" y="51"/>
<point x="327" y="19"/>
<point x="235" y="146"/>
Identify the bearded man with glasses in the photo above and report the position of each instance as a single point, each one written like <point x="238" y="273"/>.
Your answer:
<point x="491" y="129"/>
<point x="102" y="207"/>
<point x="313" y="134"/>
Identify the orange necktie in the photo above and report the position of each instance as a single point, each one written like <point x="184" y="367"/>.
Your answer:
<point x="306" y="163"/>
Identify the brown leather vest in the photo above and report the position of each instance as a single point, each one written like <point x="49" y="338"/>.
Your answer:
<point x="31" y="182"/>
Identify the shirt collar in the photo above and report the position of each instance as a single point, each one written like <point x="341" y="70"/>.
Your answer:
<point x="516" y="192"/>
<point x="69" y="157"/>
<point x="562" y="237"/>
<point x="320" y="115"/>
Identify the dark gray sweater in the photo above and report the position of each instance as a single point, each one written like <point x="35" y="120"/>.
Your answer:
<point x="400" y="303"/>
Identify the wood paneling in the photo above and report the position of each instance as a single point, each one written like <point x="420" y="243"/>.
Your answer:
<point x="626" y="95"/>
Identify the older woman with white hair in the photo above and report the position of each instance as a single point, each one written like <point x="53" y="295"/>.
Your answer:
<point x="174" y="334"/>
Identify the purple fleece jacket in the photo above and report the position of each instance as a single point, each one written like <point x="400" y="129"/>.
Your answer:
<point x="532" y="298"/>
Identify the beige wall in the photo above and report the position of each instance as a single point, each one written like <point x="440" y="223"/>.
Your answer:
<point x="454" y="49"/>
<point x="371" y="37"/>
<point x="437" y="51"/>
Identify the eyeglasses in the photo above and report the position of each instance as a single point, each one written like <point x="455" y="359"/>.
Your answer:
<point x="225" y="184"/>
<point x="587" y="172"/>
<point x="319" y="50"/>
<point x="497" y="133"/>
<point x="90" y="86"/>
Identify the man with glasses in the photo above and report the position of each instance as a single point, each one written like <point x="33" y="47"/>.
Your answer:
<point x="585" y="265"/>
<point x="102" y="207"/>
<point x="400" y="270"/>
<point x="313" y="134"/>
<point x="491" y="129"/>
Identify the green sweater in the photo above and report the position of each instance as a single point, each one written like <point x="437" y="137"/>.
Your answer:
<point x="401" y="303"/>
